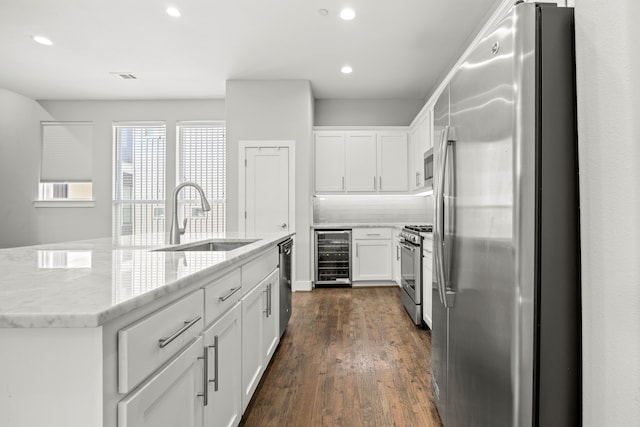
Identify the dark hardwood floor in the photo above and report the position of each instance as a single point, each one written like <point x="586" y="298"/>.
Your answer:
<point x="350" y="357"/>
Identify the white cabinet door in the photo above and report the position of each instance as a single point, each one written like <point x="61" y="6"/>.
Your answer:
<point x="362" y="174"/>
<point x="413" y="172"/>
<point x="427" y="275"/>
<point x="330" y="161"/>
<point x="396" y="258"/>
<point x="272" y="316"/>
<point x="372" y="260"/>
<point x="253" y="326"/>
<point x="223" y="342"/>
<point x="172" y="397"/>
<point x="392" y="161"/>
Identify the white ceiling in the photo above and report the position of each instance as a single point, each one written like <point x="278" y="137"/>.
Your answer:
<point x="397" y="48"/>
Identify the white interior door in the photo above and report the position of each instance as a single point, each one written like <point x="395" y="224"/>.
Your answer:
<point x="267" y="189"/>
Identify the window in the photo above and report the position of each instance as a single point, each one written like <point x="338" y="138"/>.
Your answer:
<point x="66" y="168"/>
<point x="201" y="158"/>
<point x="139" y="183"/>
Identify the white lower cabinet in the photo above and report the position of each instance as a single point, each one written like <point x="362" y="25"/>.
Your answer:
<point x="260" y="332"/>
<point x="172" y="397"/>
<point x="223" y="342"/>
<point x="372" y="260"/>
<point x="397" y="267"/>
<point x="272" y="322"/>
<point x="372" y="255"/>
<point x="253" y="325"/>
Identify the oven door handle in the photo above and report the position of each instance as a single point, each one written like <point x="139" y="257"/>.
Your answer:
<point x="411" y="248"/>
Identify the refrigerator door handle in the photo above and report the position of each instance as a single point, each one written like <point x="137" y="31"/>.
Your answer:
<point x="446" y="294"/>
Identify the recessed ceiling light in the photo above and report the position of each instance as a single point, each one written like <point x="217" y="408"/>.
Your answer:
<point x="347" y="14"/>
<point x="172" y="11"/>
<point x="346" y="69"/>
<point x="42" y="40"/>
<point x="323" y="12"/>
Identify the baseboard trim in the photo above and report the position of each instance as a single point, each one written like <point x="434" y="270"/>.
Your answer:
<point x="302" y="286"/>
<point x="374" y="284"/>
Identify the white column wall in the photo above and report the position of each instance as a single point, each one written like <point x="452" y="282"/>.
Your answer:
<point x="608" y="70"/>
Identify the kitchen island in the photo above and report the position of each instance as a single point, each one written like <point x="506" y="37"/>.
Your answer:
<point x="94" y="333"/>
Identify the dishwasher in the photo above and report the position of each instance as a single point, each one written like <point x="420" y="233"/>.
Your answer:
<point x="333" y="258"/>
<point x="285" y="248"/>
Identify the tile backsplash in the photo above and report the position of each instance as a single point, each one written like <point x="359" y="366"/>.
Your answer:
<point x="348" y="209"/>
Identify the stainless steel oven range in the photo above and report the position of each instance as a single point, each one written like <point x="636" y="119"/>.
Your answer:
<point x="411" y="269"/>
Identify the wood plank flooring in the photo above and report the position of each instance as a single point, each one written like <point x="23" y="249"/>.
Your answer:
<point x="350" y="357"/>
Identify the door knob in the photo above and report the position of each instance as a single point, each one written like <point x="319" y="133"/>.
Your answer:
<point x="283" y="225"/>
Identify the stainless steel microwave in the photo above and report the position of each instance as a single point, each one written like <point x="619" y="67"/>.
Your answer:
<point x="428" y="168"/>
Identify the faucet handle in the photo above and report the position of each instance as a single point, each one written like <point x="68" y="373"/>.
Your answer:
<point x="184" y="227"/>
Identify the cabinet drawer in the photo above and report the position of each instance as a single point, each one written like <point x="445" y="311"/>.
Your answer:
<point x="221" y="295"/>
<point x="150" y="342"/>
<point x="258" y="269"/>
<point x="372" y="233"/>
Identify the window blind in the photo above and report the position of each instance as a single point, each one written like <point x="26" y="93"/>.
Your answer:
<point x="67" y="152"/>
<point x="139" y="182"/>
<point x="202" y="159"/>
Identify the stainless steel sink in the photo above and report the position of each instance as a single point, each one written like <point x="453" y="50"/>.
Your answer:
<point x="209" y="246"/>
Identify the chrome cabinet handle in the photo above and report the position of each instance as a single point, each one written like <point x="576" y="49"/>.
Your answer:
<point x="357" y="245"/>
<point x="215" y="363"/>
<point x="231" y="292"/>
<point x="205" y="392"/>
<point x="380" y="181"/>
<point x="283" y="225"/>
<point x="374" y="183"/>
<point x="373" y="234"/>
<point x="163" y="342"/>
<point x="398" y="252"/>
<point x="269" y="298"/>
<point x="343" y="182"/>
<point x="266" y="303"/>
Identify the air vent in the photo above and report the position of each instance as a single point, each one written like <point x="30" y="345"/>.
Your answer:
<point x="125" y="76"/>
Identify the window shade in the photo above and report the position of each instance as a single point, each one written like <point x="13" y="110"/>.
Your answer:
<point x="67" y="152"/>
<point x="202" y="159"/>
<point x="139" y="183"/>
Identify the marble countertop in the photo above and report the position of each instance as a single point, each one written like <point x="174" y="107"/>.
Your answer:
<point x="90" y="282"/>
<point x="357" y="225"/>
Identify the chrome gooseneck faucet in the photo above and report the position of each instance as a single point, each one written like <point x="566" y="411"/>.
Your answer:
<point x="176" y="231"/>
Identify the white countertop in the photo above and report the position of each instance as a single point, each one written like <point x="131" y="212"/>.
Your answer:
<point x="87" y="283"/>
<point x="358" y="225"/>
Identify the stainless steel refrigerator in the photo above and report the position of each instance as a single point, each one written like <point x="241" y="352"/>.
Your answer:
<point x="506" y="288"/>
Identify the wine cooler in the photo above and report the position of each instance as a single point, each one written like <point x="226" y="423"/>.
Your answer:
<point x="333" y="258"/>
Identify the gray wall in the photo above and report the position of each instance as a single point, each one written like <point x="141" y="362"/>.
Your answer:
<point x="609" y="152"/>
<point x="19" y="169"/>
<point x="22" y="224"/>
<point x="273" y="110"/>
<point x="366" y="112"/>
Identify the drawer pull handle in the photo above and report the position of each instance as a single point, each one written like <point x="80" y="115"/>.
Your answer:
<point x="205" y="392"/>
<point x="231" y="292"/>
<point x="373" y="234"/>
<point x="215" y="365"/>
<point x="163" y="342"/>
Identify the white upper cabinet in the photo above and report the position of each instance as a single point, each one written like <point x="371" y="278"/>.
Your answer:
<point x="362" y="153"/>
<point x="419" y="142"/>
<point x="330" y="161"/>
<point x="392" y="161"/>
<point x="361" y="161"/>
